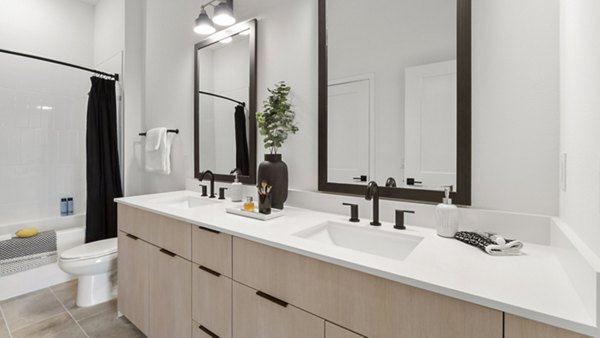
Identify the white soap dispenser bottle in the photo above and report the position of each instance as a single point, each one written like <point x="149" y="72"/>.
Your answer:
<point x="446" y="216"/>
<point x="236" y="189"/>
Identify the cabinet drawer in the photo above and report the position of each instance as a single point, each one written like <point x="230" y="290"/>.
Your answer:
<point x="211" y="302"/>
<point x="257" y="317"/>
<point x="369" y="305"/>
<point x="211" y="249"/>
<point x="334" y="331"/>
<point x="161" y="231"/>
<point x="517" y="327"/>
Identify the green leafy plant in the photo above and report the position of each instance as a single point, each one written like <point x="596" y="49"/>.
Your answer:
<point x="276" y="122"/>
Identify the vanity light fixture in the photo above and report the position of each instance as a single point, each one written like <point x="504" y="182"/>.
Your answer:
<point x="223" y="16"/>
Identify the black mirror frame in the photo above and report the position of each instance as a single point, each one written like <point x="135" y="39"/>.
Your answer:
<point x="463" y="152"/>
<point x="216" y="37"/>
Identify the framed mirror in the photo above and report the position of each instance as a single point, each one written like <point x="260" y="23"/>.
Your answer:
<point x="395" y="98"/>
<point x="225" y="103"/>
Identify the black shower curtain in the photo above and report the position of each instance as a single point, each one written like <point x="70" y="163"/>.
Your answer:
<point x="103" y="174"/>
<point x="241" y="142"/>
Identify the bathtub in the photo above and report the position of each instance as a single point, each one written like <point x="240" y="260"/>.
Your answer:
<point x="70" y="232"/>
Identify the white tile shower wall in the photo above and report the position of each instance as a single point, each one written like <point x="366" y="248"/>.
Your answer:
<point x="42" y="152"/>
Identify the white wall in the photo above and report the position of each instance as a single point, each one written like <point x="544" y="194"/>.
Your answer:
<point x="133" y="85"/>
<point x="515" y="105"/>
<point x="42" y="152"/>
<point x="58" y="29"/>
<point x="580" y="117"/>
<point x="109" y="33"/>
<point x="515" y="90"/>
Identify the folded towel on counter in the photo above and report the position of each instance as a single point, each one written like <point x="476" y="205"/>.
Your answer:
<point x="158" y="151"/>
<point x="491" y="243"/>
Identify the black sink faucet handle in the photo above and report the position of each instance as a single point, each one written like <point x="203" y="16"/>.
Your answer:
<point x="222" y="193"/>
<point x="353" y="212"/>
<point x="204" y="194"/>
<point x="400" y="218"/>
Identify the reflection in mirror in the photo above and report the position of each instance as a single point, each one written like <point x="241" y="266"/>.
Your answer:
<point x="223" y="70"/>
<point x="392" y="92"/>
<point x="225" y="103"/>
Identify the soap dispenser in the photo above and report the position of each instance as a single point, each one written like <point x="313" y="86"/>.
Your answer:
<point x="236" y="189"/>
<point x="446" y="215"/>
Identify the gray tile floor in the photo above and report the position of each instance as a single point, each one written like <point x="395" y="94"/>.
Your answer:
<point x="52" y="312"/>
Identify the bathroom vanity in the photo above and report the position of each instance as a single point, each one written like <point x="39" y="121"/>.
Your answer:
<point x="188" y="269"/>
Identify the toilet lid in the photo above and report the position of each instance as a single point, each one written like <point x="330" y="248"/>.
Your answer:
<point x="92" y="250"/>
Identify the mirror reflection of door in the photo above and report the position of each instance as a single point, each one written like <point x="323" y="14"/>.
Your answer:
<point x="223" y="69"/>
<point x="430" y="124"/>
<point x="391" y="40"/>
<point x="349" y="140"/>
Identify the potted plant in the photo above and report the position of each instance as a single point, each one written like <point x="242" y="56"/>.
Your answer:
<point x="275" y="123"/>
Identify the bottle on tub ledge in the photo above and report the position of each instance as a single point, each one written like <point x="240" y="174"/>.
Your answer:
<point x="70" y="206"/>
<point x="446" y="215"/>
<point x="64" y="209"/>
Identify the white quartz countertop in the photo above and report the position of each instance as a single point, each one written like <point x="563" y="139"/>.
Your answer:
<point x="533" y="285"/>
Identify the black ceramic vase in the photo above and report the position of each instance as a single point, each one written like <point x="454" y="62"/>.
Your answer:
<point x="275" y="172"/>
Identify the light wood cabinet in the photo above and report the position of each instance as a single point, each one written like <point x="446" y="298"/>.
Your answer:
<point x="212" y="249"/>
<point x="182" y="280"/>
<point x="517" y="327"/>
<point x="371" y="306"/>
<point x="169" y="295"/>
<point x="133" y="280"/>
<point x="211" y="301"/>
<point x="161" y="231"/>
<point x="334" y="331"/>
<point x="255" y="316"/>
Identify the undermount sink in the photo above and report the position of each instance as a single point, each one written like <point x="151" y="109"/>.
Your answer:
<point x="185" y="202"/>
<point x="373" y="241"/>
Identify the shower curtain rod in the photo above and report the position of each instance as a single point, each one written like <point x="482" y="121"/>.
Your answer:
<point x="113" y="76"/>
<point x="243" y="104"/>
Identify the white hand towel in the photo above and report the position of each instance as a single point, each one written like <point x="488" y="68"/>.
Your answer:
<point x="154" y="137"/>
<point x="158" y="159"/>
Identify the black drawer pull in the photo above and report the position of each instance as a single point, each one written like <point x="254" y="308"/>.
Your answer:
<point x="132" y="237"/>
<point x="208" y="332"/>
<point x="167" y="252"/>
<point x="209" y="230"/>
<point x="271" y="298"/>
<point x="211" y="271"/>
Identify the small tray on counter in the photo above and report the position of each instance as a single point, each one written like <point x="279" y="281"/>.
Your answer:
<point x="275" y="213"/>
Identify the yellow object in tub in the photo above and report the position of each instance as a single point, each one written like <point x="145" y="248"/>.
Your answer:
<point x="27" y="232"/>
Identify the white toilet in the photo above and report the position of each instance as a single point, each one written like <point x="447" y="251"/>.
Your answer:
<point x="93" y="263"/>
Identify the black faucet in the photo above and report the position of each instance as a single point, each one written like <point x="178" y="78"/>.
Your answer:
<point x="212" y="181"/>
<point x="373" y="192"/>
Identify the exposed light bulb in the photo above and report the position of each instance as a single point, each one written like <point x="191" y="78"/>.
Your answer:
<point x="224" y="14"/>
<point x="204" y="25"/>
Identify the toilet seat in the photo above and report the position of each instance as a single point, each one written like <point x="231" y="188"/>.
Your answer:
<point x="105" y="247"/>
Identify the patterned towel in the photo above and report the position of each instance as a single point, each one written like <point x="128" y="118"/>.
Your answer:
<point x="20" y="254"/>
<point x="487" y="245"/>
